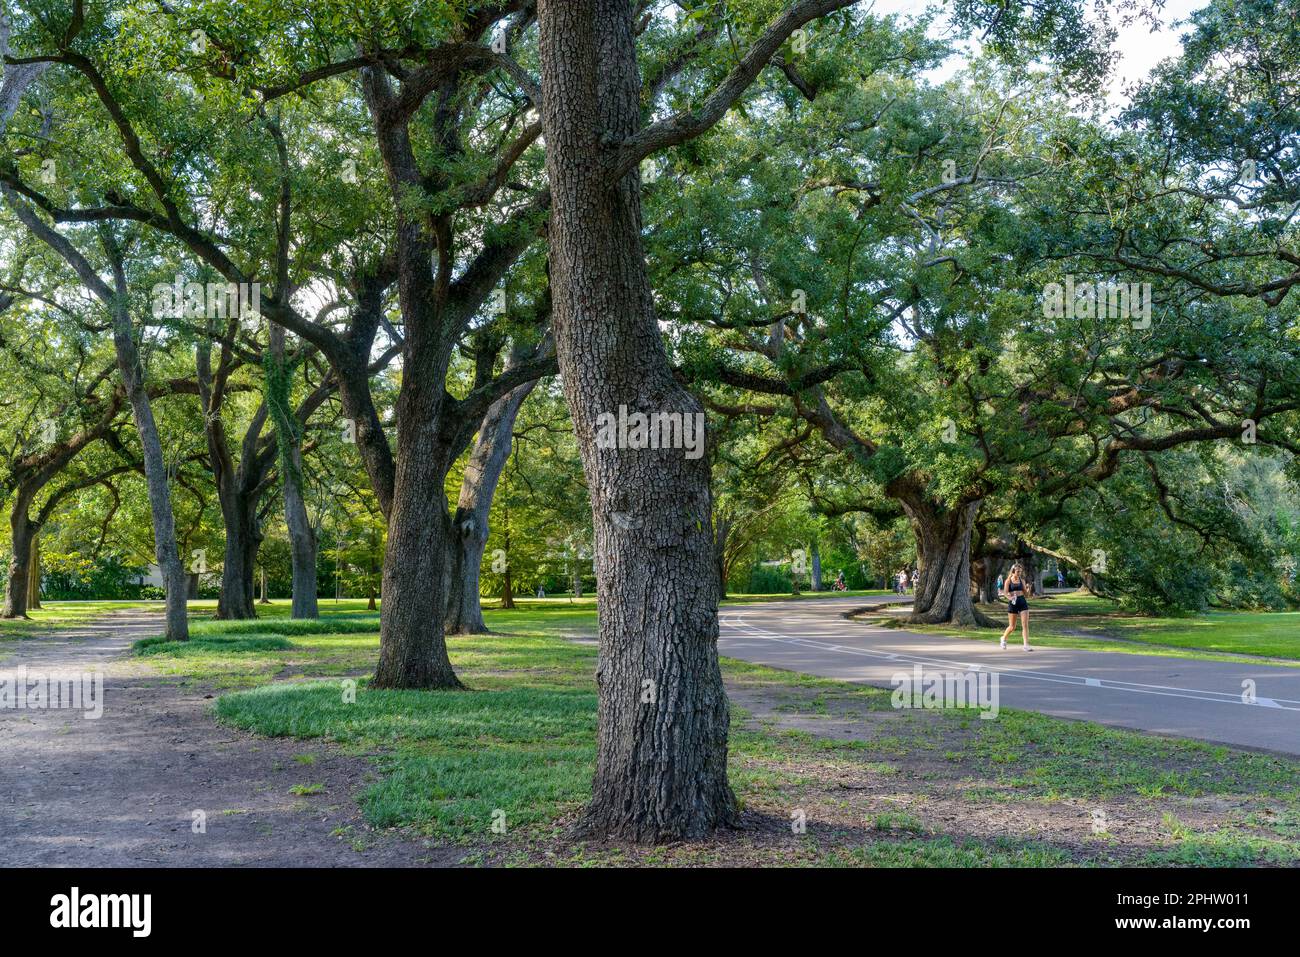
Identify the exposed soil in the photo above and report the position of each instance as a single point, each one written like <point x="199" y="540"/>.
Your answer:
<point x="121" y="791"/>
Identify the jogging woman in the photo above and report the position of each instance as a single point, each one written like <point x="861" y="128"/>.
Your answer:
<point x="1014" y="592"/>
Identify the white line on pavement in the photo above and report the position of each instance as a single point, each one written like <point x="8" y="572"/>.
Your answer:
<point x="1222" y="697"/>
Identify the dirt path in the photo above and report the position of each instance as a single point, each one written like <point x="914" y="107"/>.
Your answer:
<point x="121" y="791"/>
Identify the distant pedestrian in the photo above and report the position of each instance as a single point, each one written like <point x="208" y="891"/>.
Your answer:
<point x="1060" y="578"/>
<point x="1017" y="606"/>
<point x="541" y="591"/>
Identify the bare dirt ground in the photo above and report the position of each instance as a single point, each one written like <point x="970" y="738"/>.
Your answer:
<point x="121" y="791"/>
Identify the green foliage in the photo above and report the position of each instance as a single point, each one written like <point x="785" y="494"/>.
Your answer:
<point x="71" y="576"/>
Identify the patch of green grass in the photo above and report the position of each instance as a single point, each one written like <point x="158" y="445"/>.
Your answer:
<point x="305" y="789"/>
<point x="457" y="758"/>
<point x="898" y="821"/>
<point x="200" y="645"/>
<point x="945" y="852"/>
<point x="341" y="624"/>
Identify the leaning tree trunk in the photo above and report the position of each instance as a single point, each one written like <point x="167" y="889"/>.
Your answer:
<point x="816" y="571"/>
<point x="661" y="765"/>
<point x="469" y="527"/>
<point x="22" y="534"/>
<point x="942" y="591"/>
<point x="155" y="473"/>
<point x="34" y="575"/>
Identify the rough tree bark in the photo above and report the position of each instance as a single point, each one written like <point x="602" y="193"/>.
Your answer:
<point x="661" y="768"/>
<point x="943" y="542"/>
<point x="412" y="646"/>
<point x="22" y="534"/>
<point x="469" y="526"/>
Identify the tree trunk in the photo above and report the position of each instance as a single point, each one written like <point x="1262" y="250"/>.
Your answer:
<point x="412" y="644"/>
<point x="22" y="534"/>
<point x="470" y="527"/>
<point x="302" y="546"/>
<point x="155" y="472"/>
<point x="661" y="766"/>
<point x="816" y="567"/>
<point x="577" y="574"/>
<point x="34" y="575"/>
<point x="1034" y="567"/>
<point x="943" y="592"/>
<point x="988" y="569"/>
<point x="721" y="532"/>
<point x="302" y="535"/>
<point x="507" y="587"/>
<point x="192" y="585"/>
<point x="238" y="566"/>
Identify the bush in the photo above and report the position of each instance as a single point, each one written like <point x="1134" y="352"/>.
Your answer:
<point x="75" y="577"/>
<point x="767" y="580"/>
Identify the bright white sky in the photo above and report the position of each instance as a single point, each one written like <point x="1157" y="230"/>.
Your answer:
<point x="1140" y="48"/>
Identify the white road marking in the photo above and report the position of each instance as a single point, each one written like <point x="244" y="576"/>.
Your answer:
<point x="1167" y="691"/>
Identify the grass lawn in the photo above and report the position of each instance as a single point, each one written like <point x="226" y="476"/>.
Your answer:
<point x="875" y="786"/>
<point x="54" y="615"/>
<point x="1080" y="620"/>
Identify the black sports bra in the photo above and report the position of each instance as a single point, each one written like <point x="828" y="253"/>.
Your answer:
<point x="1015" y="586"/>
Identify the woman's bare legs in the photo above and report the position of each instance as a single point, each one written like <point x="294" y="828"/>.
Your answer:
<point x="1011" y="626"/>
<point x="1024" y="625"/>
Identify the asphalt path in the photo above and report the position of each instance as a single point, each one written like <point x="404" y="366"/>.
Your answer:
<point x="1243" y="704"/>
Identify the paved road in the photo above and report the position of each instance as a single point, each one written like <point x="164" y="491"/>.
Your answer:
<point x="1172" y="696"/>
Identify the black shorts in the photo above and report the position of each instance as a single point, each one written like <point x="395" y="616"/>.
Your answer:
<point x="1016" y="605"/>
